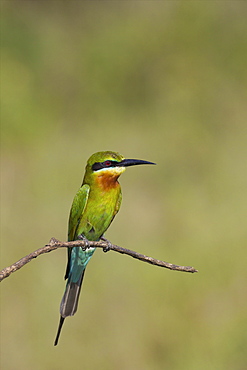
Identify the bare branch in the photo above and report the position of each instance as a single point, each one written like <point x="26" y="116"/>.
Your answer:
<point x="55" y="244"/>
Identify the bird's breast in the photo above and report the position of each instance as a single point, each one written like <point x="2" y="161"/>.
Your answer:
<point x="107" y="181"/>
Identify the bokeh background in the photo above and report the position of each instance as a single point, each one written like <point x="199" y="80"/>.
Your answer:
<point x="163" y="81"/>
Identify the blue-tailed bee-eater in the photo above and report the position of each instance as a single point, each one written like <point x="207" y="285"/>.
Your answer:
<point x="95" y="205"/>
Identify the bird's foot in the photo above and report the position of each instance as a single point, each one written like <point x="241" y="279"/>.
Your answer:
<point x="109" y="244"/>
<point x="82" y="237"/>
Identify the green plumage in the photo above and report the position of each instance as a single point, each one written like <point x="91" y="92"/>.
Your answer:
<point x="95" y="205"/>
<point x="92" y="212"/>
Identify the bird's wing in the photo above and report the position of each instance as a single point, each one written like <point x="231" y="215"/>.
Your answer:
<point x="118" y="204"/>
<point x="76" y="212"/>
<point x="77" y="209"/>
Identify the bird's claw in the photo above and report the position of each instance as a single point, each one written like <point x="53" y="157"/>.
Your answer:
<point x="109" y="245"/>
<point x="86" y="246"/>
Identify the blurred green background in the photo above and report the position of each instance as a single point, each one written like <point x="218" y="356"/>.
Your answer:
<point x="163" y="81"/>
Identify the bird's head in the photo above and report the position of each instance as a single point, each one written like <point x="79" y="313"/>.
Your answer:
<point x="106" y="167"/>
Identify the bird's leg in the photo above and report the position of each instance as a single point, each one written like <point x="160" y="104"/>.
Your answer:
<point x="109" y="244"/>
<point x="82" y="237"/>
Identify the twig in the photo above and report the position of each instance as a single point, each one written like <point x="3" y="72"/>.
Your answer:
<point x="55" y="244"/>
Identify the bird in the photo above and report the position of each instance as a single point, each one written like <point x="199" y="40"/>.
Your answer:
<point x="93" y="209"/>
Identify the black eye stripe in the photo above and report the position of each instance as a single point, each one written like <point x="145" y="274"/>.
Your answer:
<point x="106" y="164"/>
<point x="97" y="166"/>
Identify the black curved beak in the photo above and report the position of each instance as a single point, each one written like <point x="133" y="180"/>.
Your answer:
<point x="132" y="162"/>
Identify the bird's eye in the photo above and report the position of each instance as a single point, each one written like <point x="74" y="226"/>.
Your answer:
<point x="107" y="163"/>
